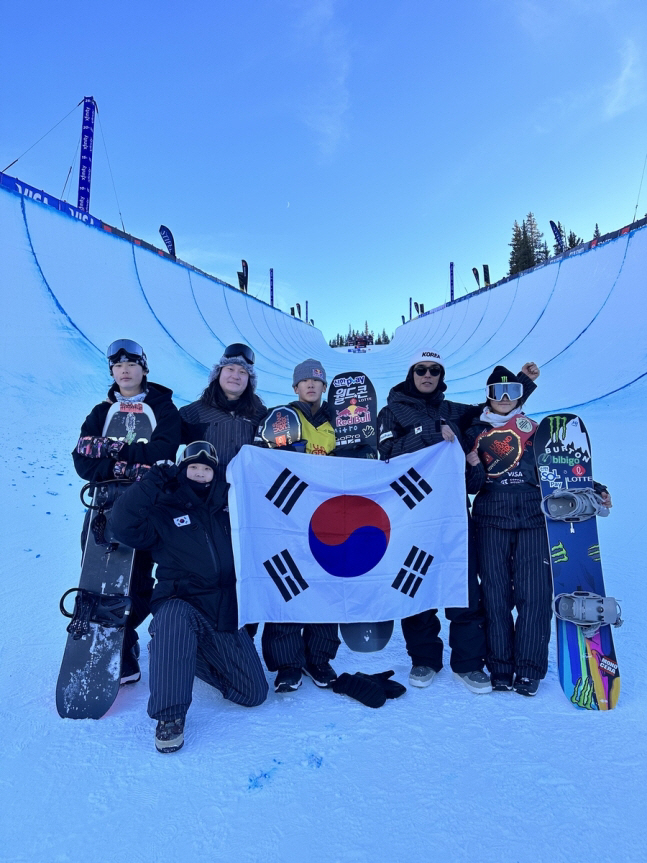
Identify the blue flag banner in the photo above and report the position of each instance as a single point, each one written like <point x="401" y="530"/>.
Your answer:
<point x="168" y="238"/>
<point x="327" y="540"/>
<point x="85" y="164"/>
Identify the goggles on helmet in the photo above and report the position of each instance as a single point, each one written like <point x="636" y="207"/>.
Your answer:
<point x="512" y="390"/>
<point x="196" y="449"/>
<point x="240" y="350"/>
<point x="125" y="346"/>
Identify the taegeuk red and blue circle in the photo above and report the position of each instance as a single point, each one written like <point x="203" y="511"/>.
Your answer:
<point x="348" y="535"/>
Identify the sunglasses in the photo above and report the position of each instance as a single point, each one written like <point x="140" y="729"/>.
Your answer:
<point x="511" y="390"/>
<point x="240" y="350"/>
<point x="421" y="371"/>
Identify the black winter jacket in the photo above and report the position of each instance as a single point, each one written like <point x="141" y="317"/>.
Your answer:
<point x="189" y="539"/>
<point x="163" y="444"/>
<point x="228" y="431"/>
<point x="510" y="501"/>
<point x="409" y="423"/>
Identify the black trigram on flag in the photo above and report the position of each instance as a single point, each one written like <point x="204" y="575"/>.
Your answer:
<point x="413" y="570"/>
<point x="286" y="490"/>
<point x="411" y="485"/>
<point x="283" y="571"/>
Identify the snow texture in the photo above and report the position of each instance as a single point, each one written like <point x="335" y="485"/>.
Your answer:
<point x="439" y="774"/>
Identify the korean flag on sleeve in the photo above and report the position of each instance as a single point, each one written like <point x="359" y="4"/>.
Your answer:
<point x="334" y="540"/>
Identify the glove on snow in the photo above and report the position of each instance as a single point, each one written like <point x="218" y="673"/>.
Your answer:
<point x="360" y="687"/>
<point x="123" y="470"/>
<point x="99" y="447"/>
<point x="392" y="689"/>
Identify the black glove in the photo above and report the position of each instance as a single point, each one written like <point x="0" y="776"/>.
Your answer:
<point x="99" y="447"/>
<point x="392" y="689"/>
<point x="123" y="470"/>
<point x="361" y="688"/>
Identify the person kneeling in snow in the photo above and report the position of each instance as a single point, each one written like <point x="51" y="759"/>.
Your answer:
<point x="180" y="514"/>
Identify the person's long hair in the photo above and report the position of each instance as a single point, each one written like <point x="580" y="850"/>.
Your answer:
<point x="249" y="404"/>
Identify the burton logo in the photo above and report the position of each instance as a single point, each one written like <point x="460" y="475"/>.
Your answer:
<point x="412" y="571"/>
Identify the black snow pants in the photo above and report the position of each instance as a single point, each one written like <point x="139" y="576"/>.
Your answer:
<point x="466" y="628"/>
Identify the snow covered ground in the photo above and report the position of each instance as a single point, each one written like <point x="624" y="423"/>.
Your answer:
<point x="440" y="774"/>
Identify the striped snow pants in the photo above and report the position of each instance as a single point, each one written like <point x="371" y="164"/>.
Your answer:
<point x="292" y="645"/>
<point x="515" y="573"/>
<point x="185" y="644"/>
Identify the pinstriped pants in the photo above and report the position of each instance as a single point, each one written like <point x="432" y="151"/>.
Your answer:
<point x="515" y="572"/>
<point x="185" y="644"/>
<point x="285" y="647"/>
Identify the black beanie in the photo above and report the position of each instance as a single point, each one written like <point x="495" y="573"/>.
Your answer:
<point x="501" y="375"/>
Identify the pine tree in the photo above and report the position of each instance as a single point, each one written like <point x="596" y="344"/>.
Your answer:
<point x="515" y="245"/>
<point x="544" y="252"/>
<point x="535" y="237"/>
<point x="596" y="234"/>
<point x="573" y="240"/>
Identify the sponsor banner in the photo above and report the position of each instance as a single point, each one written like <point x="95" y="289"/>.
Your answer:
<point x="327" y="540"/>
<point x="85" y="159"/>
<point x="49" y="200"/>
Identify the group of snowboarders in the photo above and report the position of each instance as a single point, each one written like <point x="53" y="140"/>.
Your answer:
<point x="174" y="513"/>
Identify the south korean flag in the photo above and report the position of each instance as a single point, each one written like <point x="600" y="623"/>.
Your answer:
<point x="333" y="540"/>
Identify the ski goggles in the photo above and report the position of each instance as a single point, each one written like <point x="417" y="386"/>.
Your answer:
<point x="199" y="448"/>
<point x="125" y="346"/>
<point x="512" y="390"/>
<point x="434" y="371"/>
<point x="240" y="350"/>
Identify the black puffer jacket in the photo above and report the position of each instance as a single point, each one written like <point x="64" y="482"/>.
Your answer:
<point x="189" y="539"/>
<point x="163" y="444"/>
<point x="227" y="430"/>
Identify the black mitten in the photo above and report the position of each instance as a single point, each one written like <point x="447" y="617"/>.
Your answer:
<point x="392" y="689"/>
<point x="361" y="688"/>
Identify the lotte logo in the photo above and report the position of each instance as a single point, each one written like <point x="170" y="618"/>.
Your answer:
<point x="579" y="470"/>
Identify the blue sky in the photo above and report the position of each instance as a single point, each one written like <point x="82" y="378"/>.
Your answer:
<point x="355" y="146"/>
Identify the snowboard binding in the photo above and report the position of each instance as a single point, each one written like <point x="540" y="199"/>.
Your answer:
<point x="109" y="610"/>
<point x="573" y="506"/>
<point x="587" y="610"/>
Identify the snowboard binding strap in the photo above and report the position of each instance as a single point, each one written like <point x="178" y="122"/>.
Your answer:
<point x="587" y="610"/>
<point x="573" y="506"/>
<point x="109" y="610"/>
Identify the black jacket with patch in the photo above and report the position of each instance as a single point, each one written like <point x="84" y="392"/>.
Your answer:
<point x="188" y="538"/>
<point x="163" y="444"/>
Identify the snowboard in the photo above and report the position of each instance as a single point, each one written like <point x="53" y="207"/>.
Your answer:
<point x="588" y="668"/>
<point x="281" y="427"/>
<point x="90" y="674"/>
<point x="353" y="409"/>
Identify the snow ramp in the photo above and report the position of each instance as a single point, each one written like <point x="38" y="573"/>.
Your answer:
<point x="317" y="775"/>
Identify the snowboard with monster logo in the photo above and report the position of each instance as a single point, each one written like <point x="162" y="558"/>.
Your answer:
<point x="588" y="668"/>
